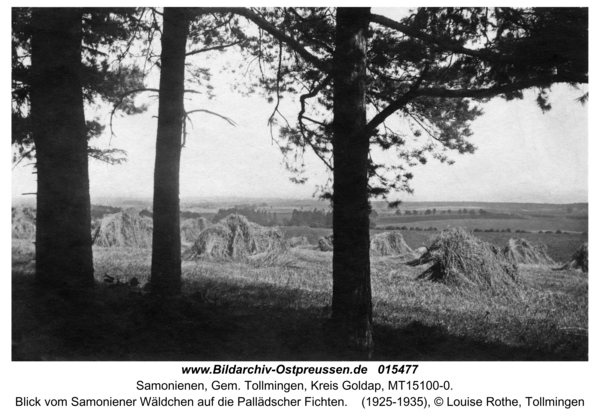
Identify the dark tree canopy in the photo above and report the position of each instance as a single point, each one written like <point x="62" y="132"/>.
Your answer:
<point x="107" y="37"/>
<point x="431" y="69"/>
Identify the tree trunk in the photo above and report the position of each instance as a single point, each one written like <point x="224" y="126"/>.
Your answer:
<point x="166" y="241"/>
<point x="351" y="305"/>
<point x="63" y="225"/>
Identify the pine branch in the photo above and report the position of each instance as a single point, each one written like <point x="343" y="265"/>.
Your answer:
<point x="396" y="105"/>
<point x="301" y="116"/>
<point x="23" y="156"/>
<point x="212" y="48"/>
<point x="130" y="92"/>
<point x="94" y="51"/>
<point x="227" y="119"/>
<point x="314" y="121"/>
<point x="446" y="43"/>
<point x="482" y="93"/>
<point x="314" y="40"/>
<point x="276" y="109"/>
<point x="262" y="23"/>
<point x="186" y="116"/>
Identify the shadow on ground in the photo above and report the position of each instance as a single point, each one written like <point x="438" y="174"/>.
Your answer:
<point x="121" y="325"/>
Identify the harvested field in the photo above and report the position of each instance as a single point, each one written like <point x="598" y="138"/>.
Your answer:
<point x="277" y="306"/>
<point x="125" y="229"/>
<point x="230" y="311"/>
<point x="560" y="247"/>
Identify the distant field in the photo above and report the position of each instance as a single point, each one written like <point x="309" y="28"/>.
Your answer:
<point x="519" y="208"/>
<point x="560" y="247"/>
<point x="386" y="220"/>
<point x="531" y="224"/>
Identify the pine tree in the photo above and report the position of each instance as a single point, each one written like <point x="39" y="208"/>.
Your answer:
<point x="49" y="123"/>
<point x="422" y="68"/>
<point x="180" y="27"/>
<point x="63" y="238"/>
<point x="166" y="239"/>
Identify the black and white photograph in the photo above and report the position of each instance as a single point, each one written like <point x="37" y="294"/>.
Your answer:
<point x="388" y="184"/>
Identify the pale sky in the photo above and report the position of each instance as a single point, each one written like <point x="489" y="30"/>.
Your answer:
<point x="522" y="156"/>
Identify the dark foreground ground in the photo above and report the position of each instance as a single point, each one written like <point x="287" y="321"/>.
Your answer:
<point x="279" y="311"/>
<point x="118" y="326"/>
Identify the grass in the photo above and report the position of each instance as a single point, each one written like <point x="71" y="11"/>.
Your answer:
<point x="233" y="310"/>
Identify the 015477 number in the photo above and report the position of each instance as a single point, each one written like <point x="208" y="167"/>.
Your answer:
<point x="397" y="369"/>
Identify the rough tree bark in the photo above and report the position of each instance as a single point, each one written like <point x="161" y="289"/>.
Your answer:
<point x="351" y="304"/>
<point x="63" y="225"/>
<point x="166" y="241"/>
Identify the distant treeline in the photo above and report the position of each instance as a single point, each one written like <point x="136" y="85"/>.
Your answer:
<point x="315" y="218"/>
<point x="255" y="215"/>
<point x="477" y="230"/>
<point x="455" y="216"/>
<point x="184" y="215"/>
<point x="99" y="211"/>
<point x="459" y="212"/>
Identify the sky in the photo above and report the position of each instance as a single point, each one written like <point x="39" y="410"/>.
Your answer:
<point x="523" y="155"/>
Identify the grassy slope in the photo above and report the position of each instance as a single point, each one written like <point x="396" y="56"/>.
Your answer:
<point x="235" y="311"/>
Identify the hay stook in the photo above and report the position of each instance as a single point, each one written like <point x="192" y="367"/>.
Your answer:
<point x="381" y="244"/>
<point x="389" y="244"/>
<point x="23" y="222"/>
<point x="521" y="251"/>
<point x="298" y="241"/>
<point x="325" y="243"/>
<point x="235" y="237"/>
<point x="191" y="228"/>
<point x="459" y="259"/>
<point x="125" y="229"/>
<point x="579" y="260"/>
